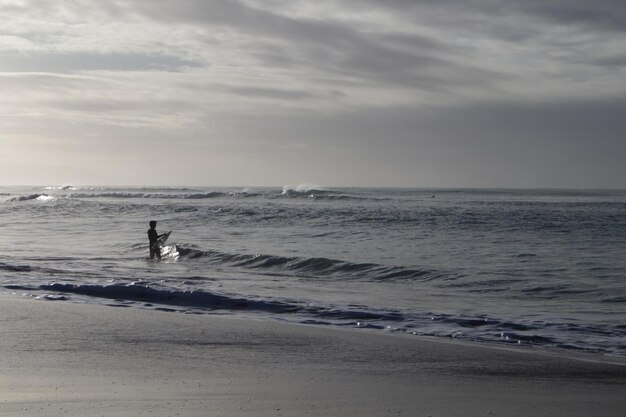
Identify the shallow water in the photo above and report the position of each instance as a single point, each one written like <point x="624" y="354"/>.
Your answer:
<point x="537" y="267"/>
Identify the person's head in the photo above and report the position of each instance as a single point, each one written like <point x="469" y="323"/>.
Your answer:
<point x="152" y="224"/>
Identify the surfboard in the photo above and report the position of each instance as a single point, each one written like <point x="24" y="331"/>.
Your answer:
<point x="164" y="238"/>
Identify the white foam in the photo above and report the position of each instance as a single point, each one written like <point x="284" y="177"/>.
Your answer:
<point x="45" y="197"/>
<point x="301" y="188"/>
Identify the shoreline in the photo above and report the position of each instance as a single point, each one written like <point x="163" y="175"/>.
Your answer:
<point x="146" y="297"/>
<point x="554" y="351"/>
<point x="68" y="359"/>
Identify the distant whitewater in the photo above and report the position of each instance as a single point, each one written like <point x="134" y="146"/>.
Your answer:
<point x="542" y="268"/>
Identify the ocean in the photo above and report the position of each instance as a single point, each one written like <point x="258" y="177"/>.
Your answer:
<point x="538" y="268"/>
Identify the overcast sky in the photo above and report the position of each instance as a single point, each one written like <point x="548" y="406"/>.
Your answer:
<point x="424" y="93"/>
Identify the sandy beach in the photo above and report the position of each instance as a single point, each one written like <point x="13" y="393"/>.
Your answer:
<point x="65" y="359"/>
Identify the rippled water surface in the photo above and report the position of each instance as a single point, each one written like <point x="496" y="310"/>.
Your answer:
<point x="538" y="267"/>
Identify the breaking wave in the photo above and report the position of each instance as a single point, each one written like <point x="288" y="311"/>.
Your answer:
<point x="164" y="193"/>
<point x="39" y="197"/>
<point x="315" y="267"/>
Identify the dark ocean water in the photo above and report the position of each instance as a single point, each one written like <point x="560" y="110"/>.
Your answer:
<point x="545" y="268"/>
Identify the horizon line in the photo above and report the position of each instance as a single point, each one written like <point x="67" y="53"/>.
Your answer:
<point x="322" y="187"/>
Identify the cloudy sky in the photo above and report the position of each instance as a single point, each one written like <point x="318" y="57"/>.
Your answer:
<point x="425" y="93"/>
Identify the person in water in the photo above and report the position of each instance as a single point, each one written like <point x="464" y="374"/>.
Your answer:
<point x="153" y="237"/>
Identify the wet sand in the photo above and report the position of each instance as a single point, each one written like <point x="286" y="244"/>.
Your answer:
<point x="65" y="359"/>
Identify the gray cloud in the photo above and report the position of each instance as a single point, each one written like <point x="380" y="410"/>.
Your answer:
<point x="366" y="92"/>
<point x="598" y="14"/>
<point x="73" y="62"/>
<point x="405" y="59"/>
<point x="275" y="93"/>
<point x="559" y="144"/>
<point x="611" y="61"/>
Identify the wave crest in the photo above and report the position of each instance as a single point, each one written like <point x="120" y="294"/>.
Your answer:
<point x="128" y="195"/>
<point x="317" y="267"/>
<point x="39" y="197"/>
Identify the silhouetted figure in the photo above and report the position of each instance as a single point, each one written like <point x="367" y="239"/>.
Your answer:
<point x="153" y="236"/>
